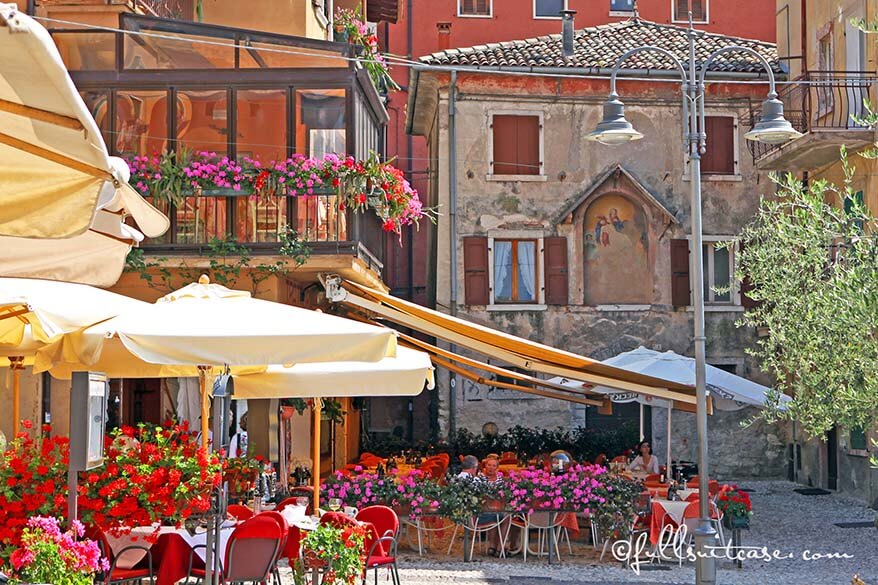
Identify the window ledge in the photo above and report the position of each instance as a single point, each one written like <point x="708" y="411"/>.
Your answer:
<point x="607" y="308"/>
<point x="515" y="307"/>
<point x="719" y="178"/>
<point x="475" y="16"/>
<point x="518" y="178"/>
<point x="857" y="453"/>
<point x="626" y="13"/>
<point x="718" y="309"/>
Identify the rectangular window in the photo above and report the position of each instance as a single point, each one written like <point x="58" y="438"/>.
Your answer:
<point x="719" y="271"/>
<point x="858" y="440"/>
<point x="621" y="5"/>
<point x="825" y="64"/>
<point x="682" y="8"/>
<point x="720" y="157"/>
<point x="515" y="271"/>
<point x="474" y="7"/>
<point x="516" y="145"/>
<point x="549" y="8"/>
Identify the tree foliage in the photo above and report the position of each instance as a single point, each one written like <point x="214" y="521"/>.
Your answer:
<point x="811" y="256"/>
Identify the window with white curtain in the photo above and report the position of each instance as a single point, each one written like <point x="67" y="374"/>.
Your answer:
<point x="515" y="271"/>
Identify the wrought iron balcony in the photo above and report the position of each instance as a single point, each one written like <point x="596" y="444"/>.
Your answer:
<point x="827" y="107"/>
<point x="261" y="221"/>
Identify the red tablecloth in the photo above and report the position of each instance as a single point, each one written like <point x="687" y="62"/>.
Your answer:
<point x="170" y="559"/>
<point x="659" y="518"/>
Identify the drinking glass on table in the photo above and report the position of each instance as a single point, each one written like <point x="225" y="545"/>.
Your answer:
<point x="303" y="501"/>
<point x="334" y="504"/>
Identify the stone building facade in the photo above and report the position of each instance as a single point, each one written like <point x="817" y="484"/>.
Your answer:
<point x="585" y="247"/>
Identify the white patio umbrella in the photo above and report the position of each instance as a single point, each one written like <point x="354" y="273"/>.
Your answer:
<point x="727" y="391"/>
<point x="56" y="173"/>
<point x="34" y="313"/>
<point x="208" y="325"/>
<point x="403" y="375"/>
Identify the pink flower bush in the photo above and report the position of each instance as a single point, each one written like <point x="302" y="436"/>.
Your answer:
<point x="578" y="488"/>
<point x="359" y="185"/>
<point x="48" y="555"/>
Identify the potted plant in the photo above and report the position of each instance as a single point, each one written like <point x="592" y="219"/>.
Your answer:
<point x="337" y="552"/>
<point x="48" y="555"/>
<point x="735" y="506"/>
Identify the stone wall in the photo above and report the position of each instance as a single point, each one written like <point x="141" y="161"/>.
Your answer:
<point x="651" y="174"/>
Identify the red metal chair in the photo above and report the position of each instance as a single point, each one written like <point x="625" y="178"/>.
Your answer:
<point x="600" y="459"/>
<point x="240" y="512"/>
<point x="383" y="551"/>
<point x="251" y="553"/>
<point x="652" y="477"/>
<point x="285" y="531"/>
<point x="114" y="574"/>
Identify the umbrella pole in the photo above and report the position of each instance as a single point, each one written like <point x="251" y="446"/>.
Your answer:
<point x="641" y="421"/>
<point x="17" y="365"/>
<point x="205" y="404"/>
<point x="316" y="410"/>
<point x="668" y="446"/>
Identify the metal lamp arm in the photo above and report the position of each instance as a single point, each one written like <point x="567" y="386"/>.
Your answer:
<point x="647" y="48"/>
<point x="706" y="66"/>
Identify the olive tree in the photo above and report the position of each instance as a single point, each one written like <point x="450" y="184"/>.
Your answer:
<point x="810" y="257"/>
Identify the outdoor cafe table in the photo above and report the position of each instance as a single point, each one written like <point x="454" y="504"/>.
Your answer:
<point x="661" y="492"/>
<point x="662" y="513"/>
<point x="170" y="553"/>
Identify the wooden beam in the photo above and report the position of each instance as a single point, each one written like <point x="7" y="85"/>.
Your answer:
<point x="481" y="380"/>
<point x="55" y="157"/>
<point x="40" y="115"/>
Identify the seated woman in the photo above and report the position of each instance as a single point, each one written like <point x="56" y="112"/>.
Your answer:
<point x="645" y="462"/>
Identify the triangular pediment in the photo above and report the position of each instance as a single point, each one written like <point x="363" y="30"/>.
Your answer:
<point x="615" y="179"/>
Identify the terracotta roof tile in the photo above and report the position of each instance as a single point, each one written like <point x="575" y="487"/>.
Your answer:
<point x="598" y="48"/>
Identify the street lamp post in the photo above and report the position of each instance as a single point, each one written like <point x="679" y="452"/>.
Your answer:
<point x="772" y="128"/>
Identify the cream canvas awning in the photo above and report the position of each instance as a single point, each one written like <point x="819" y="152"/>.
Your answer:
<point x="501" y="346"/>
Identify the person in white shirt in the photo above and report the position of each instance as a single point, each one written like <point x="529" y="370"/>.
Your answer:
<point x="645" y="462"/>
<point x="469" y="467"/>
<point x="238" y="444"/>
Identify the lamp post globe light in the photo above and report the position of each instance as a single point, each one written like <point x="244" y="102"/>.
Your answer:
<point x="772" y="128"/>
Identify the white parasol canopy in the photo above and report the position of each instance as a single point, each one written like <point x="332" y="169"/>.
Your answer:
<point x="56" y="174"/>
<point x="728" y="391"/>
<point x="403" y="375"/>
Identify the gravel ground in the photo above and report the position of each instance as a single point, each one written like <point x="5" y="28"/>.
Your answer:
<point x="783" y="521"/>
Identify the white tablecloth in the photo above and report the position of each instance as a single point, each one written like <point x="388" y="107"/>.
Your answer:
<point x="138" y="536"/>
<point x="673" y="509"/>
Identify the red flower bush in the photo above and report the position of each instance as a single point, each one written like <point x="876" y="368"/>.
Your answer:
<point x="32" y="483"/>
<point x="150" y="474"/>
<point x="733" y="502"/>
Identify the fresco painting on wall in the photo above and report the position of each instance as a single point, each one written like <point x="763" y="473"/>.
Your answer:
<point x="616" y="245"/>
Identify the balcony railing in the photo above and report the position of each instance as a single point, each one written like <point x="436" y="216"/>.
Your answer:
<point x="174" y="9"/>
<point x="261" y="221"/>
<point x="824" y="100"/>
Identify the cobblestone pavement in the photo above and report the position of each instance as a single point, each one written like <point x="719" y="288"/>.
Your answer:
<point x="783" y="521"/>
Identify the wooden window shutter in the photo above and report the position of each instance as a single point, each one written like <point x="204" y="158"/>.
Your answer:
<point x="516" y="145"/>
<point x="556" y="270"/>
<point x="681" y="9"/>
<point x="474" y="7"/>
<point x="699" y="10"/>
<point x="528" y="145"/>
<point x="505" y="133"/>
<point x="680" y="273"/>
<point x="475" y="270"/>
<point x="481" y="6"/>
<point x="746" y="287"/>
<point x="719" y="157"/>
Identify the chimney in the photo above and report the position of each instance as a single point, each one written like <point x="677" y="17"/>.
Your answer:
<point x="444" y="30"/>
<point x="567" y="32"/>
